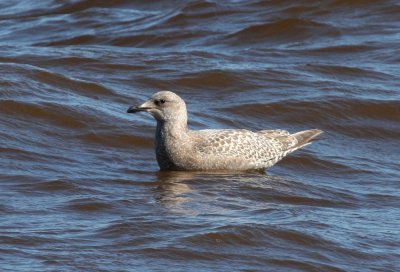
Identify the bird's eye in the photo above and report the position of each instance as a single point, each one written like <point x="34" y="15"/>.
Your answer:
<point x="162" y="101"/>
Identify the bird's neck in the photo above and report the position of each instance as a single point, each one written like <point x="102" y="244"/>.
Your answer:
<point x="171" y="130"/>
<point x="170" y="140"/>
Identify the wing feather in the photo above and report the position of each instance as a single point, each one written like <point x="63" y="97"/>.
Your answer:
<point x="256" y="147"/>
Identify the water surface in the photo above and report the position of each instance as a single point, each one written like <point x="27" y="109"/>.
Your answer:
<point x="80" y="188"/>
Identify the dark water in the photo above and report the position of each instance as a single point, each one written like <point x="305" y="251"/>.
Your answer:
<point x="80" y="188"/>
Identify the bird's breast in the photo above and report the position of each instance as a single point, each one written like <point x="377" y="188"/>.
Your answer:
<point x="172" y="153"/>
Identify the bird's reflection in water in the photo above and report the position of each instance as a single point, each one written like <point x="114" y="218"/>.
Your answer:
<point x="173" y="190"/>
<point x="198" y="192"/>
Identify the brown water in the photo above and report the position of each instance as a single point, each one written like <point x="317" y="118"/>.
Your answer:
<point x="79" y="184"/>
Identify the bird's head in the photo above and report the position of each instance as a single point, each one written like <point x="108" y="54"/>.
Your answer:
<point x="165" y="106"/>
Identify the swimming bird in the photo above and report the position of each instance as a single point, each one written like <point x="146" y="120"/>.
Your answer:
<point x="180" y="148"/>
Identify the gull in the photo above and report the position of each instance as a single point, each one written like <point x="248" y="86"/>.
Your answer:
<point x="179" y="148"/>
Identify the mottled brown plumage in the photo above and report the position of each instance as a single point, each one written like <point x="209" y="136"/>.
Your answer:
<point x="178" y="148"/>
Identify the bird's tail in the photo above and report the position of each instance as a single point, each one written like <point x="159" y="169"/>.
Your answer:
<point x="305" y="137"/>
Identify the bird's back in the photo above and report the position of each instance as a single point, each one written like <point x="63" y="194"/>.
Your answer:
<point x="251" y="150"/>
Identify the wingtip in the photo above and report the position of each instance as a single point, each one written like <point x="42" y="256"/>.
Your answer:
<point x="316" y="131"/>
<point x="305" y="137"/>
